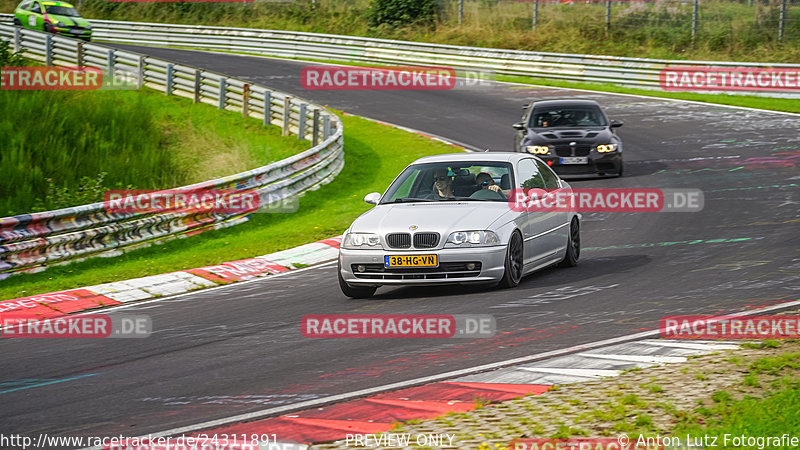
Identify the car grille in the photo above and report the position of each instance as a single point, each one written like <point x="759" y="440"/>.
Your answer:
<point x="398" y="240"/>
<point x="444" y="271"/>
<point x="426" y="240"/>
<point x="566" y="150"/>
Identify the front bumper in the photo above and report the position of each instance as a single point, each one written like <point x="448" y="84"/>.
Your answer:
<point x="489" y="267"/>
<point x="600" y="164"/>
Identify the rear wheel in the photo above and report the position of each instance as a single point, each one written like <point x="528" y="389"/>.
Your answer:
<point x="513" y="264"/>
<point x="354" y="291"/>
<point x="48" y="28"/>
<point x="573" y="245"/>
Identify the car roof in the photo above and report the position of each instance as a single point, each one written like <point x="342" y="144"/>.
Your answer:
<point x="490" y="156"/>
<point x="58" y="4"/>
<point x="565" y="102"/>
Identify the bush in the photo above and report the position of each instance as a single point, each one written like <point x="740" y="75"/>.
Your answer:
<point x="402" y="12"/>
<point x="7" y="57"/>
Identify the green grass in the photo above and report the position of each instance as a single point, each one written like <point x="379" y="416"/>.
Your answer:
<point x="776" y="414"/>
<point x="65" y="148"/>
<point x="728" y="30"/>
<point x="374" y="155"/>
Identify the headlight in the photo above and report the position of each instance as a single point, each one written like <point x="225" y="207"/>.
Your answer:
<point x="538" y="149"/>
<point x="606" y="148"/>
<point x="473" y="237"/>
<point x="360" y="240"/>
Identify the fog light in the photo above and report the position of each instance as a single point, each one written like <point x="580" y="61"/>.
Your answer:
<point x="361" y="268"/>
<point x="470" y="266"/>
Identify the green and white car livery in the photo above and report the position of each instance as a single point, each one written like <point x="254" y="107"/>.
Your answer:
<point x="52" y="17"/>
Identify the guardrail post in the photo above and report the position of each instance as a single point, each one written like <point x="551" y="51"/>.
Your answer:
<point x="315" y="129"/>
<point x="140" y="73"/>
<point x="535" y="14"/>
<point x="48" y="50"/>
<point x="198" y="83"/>
<point x="17" y="39"/>
<point x="245" y="100"/>
<point x="326" y="126"/>
<point x="287" y="111"/>
<point x="608" y="15"/>
<point x="79" y="56"/>
<point x="170" y="75"/>
<point x="301" y="127"/>
<point x="110" y="60"/>
<point x="694" y="20"/>
<point x="782" y="24"/>
<point x="267" y="108"/>
<point x="223" y="93"/>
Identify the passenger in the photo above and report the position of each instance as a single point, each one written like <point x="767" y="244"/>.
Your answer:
<point x="442" y="185"/>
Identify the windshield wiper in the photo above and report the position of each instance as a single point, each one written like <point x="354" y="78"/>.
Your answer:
<point x="410" y="199"/>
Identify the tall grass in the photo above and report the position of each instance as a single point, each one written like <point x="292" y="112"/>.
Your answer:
<point x="63" y="148"/>
<point x="728" y="30"/>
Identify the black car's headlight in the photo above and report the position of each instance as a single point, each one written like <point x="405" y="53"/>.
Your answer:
<point x="538" y="149"/>
<point x="361" y="240"/>
<point x="606" y="148"/>
<point x="473" y="237"/>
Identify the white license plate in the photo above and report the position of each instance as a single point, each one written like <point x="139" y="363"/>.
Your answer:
<point x="575" y="160"/>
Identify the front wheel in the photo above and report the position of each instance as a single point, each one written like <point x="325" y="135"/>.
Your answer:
<point x="17" y="22"/>
<point x="354" y="291"/>
<point x="573" y="245"/>
<point x="513" y="264"/>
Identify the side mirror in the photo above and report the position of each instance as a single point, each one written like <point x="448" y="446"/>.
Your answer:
<point x="616" y="123"/>
<point x="519" y="126"/>
<point x="373" y="198"/>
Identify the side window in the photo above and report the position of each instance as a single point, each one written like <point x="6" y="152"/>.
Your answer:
<point x="25" y="6"/>
<point x="35" y="7"/>
<point x="550" y="178"/>
<point x="529" y="176"/>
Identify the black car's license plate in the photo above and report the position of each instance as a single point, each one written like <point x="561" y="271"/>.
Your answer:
<point x="411" y="261"/>
<point x="575" y="160"/>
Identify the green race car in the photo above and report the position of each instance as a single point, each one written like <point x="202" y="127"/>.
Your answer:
<point x="53" y="17"/>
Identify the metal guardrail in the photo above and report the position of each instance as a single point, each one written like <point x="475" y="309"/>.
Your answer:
<point x="633" y="72"/>
<point x="30" y="242"/>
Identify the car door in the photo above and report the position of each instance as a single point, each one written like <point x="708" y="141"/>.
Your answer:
<point x="35" y="19"/>
<point x="538" y="227"/>
<point x="561" y="217"/>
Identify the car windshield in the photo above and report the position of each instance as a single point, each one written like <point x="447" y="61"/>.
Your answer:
<point x="61" y="10"/>
<point x="467" y="181"/>
<point x="567" y="117"/>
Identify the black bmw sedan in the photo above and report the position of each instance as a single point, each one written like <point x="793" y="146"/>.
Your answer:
<point x="574" y="137"/>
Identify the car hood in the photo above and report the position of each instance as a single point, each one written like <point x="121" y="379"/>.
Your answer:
<point x="589" y="135"/>
<point x="69" y="21"/>
<point x="442" y="217"/>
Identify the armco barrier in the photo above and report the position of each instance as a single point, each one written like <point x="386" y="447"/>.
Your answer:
<point x="633" y="72"/>
<point x="29" y="242"/>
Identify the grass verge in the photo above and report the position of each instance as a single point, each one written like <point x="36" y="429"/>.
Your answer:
<point x="374" y="155"/>
<point x="65" y="148"/>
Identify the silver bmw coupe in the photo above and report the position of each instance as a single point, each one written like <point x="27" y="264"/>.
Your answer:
<point x="455" y="218"/>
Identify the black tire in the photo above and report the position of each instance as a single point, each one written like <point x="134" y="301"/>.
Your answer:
<point x="514" y="262"/>
<point x="620" y="170"/>
<point x="354" y="291"/>
<point x="48" y="28"/>
<point x="17" y="22"/>
<point x="573" y="245"/>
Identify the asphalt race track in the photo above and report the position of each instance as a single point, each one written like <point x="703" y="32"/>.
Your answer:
<point x="232" y="350"/>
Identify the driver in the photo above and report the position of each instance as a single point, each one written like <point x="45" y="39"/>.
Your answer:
<point x="486" y="183"/>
